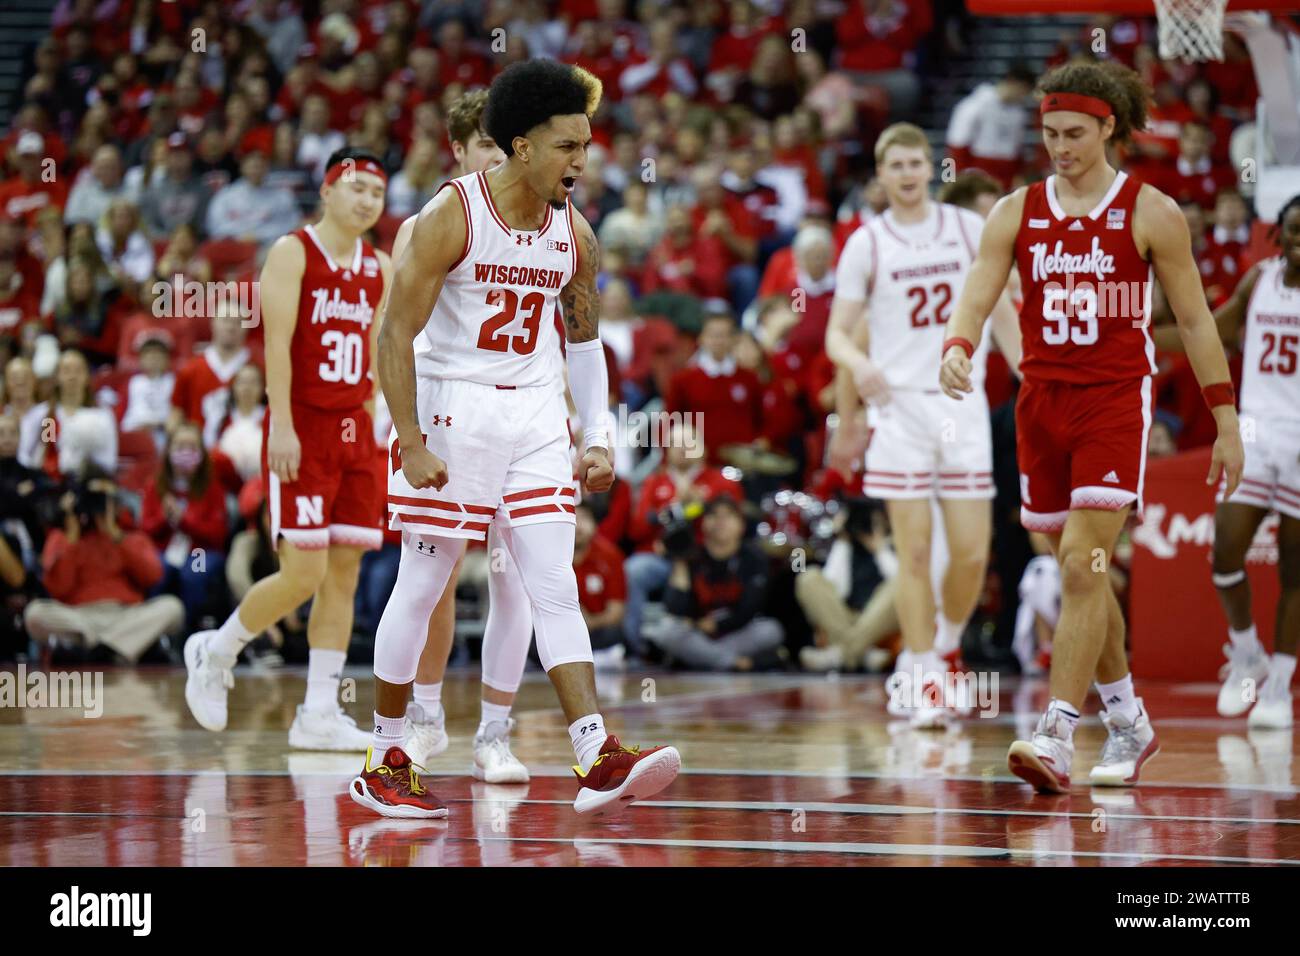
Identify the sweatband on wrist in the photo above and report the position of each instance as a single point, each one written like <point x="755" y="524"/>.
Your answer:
<point x="964" y="344"/>
<point x="1220" y="393"/>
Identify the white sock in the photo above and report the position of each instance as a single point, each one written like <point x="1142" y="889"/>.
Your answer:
<point x="232" y="636"/>
<point x="1066" y="718"/>
<point x="588" y="736"/>
<point x="493" y="714"/>
<point x="429" y="697"/>
<point x="1245" y="640"/>
<point x="1118" y="697"/>
<point x="947" y="634"/>
<point x="389" y="732"/>
<point x="1281" y="668"/>
<point x="905" y="661"/>
<point x="324" y="671"/>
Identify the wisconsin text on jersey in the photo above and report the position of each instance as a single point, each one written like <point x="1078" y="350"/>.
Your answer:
<point x="518" y="275"/>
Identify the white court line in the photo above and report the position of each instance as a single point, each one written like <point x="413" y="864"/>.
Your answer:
<point x="559" y="770"/>
<point x="887" y="849"/>
<point x="886" y="809"/>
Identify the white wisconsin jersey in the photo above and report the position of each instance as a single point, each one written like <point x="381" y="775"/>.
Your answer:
<point x="494" y="321"/>
<point x="1270" y="364"/>
<point x="910" y="277"/>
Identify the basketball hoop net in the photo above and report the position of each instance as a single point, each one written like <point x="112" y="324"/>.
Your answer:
<point x="1191" y="30"/>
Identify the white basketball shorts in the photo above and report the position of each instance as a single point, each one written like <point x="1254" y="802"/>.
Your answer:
<point x="924" y="443"/>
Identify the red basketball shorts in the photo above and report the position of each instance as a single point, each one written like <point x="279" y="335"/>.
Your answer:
<point x="1080" y="446"/>
<point x="338" y="496"/>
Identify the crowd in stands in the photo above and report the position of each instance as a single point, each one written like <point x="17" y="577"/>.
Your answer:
<point x="158" y="148"/>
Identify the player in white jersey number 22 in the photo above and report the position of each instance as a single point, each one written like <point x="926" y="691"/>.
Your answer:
<point x="899" y="276"/>
<point x="481" y="426"/>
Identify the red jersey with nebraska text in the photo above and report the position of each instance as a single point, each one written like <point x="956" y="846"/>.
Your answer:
<point x="1087" y="289"/>
<point x="331" y="342"/>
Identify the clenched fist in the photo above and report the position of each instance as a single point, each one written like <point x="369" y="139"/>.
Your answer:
<point x="423" y="469"/>
<point x="596" y="470"/>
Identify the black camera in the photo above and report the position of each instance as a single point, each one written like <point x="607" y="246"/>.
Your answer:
<point x="860" y="516"/>
<point x="678" y="522"/>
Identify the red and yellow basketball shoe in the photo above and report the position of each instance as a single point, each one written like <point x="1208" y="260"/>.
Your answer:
<point x="393" y="788"/>
<point x="623" y="774"/>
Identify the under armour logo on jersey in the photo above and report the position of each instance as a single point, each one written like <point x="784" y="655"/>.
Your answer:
<point x="523" y="239"/>
<point x="426" y="548"/>
<point x="311" y="510"/>
<point x="442" y="420"/>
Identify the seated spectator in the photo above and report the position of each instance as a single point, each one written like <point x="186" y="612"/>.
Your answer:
<point x="97" y="576"/>
<point x="180" y="258"/>
<point x="149" y="391"/>
<point x="631" y="230"/>
<point x="125" y="249"/>
<point x="57" y="435"/>
<point x="832" y="96"/>
<point x="805" y="281"/>
<point x="1230" y="237"/>
<point x="784" y="418"/>
<point x="416" y="182"/>
<point x="18" y="303"/>
<point x="285" y="173"/>
<point x="179" y="197"/>
<point x="768" y="88"/>
<point x="728" y="399"/>
<point x="80" y="244"/>
<point x="618" y="321"/>
<point x="987" y="128"/>
<point x="602" y="590"/>
<point x="316" y="141"/>
<point x="26" y="493"/>
<point x="661" y="70"/>
<point x="15" y="584"/>
<point x="240" y="430"/>
<point x="714" y="598"/>
<point x="248" y="209"/>
<point x="201" y="392"/>
<point x="184" y="512"/>
<point x="850" y="600"/>
<point x="1193" y="177"/>
<point x="687" y="261"/>
<point x="673" y="494"/>
<point x="91" y="316"/>
<point x="97" y="186"/>
<point x="876" y="39"/>
<point x="30" y="191"/>
<point x="19" y="387"/>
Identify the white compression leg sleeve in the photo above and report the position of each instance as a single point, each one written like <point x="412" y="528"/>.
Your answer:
<point x="426" y="565"/>
<point x="544" y="555"/>
<point x="509" y="621"/>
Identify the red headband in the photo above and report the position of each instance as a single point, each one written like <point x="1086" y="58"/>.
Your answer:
<point x="361" y="166"/>
<point x="1076" y="103"/>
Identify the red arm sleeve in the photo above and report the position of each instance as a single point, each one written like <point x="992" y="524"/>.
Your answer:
<point x="153" y="520"/>
<point x="59" y="561"/>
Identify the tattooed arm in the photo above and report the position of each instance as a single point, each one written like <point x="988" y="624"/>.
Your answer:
<point x="588" y="376"/>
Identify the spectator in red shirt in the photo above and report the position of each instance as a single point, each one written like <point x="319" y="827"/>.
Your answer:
<point x="18" y="303"/>
<point x="98" y="575"/>
<point x="661" y="71"/>
<point x="602" y="590"/>
<point x="184" y="512"/>
<point x="202" y="384"/>
<point x="804" y="278"/>
<point x="727" y="399"/>
<point x="681" y="485"/>
<point x="36" y="186"/>
<point x="1231" y="236"/>
<point x="784" y="417"/>
<point x="1193" y="177"/>
<point x="875" y="37"/>
<point x="683" y="261"/>
<point x="460" y="64"/>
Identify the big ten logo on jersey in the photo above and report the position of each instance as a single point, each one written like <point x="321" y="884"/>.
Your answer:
<point x="556" y="245"/>
<point x="311" y="509"/>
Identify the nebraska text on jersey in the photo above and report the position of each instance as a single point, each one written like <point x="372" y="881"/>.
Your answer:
<point x="326" y="307"/>
<point x="518" y="275"/>
<point x="1096" y="262"/>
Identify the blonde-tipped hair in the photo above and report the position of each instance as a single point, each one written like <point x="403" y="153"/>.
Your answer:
<point x="595" y="89"/>
<point x="902" y="134"/>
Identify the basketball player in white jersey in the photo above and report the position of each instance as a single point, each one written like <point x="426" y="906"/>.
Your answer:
<point x="1267" y="300"/>
<point x="900" y="274"/>
<point x="510" y="622"/>
<point x="480" y="432"/>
